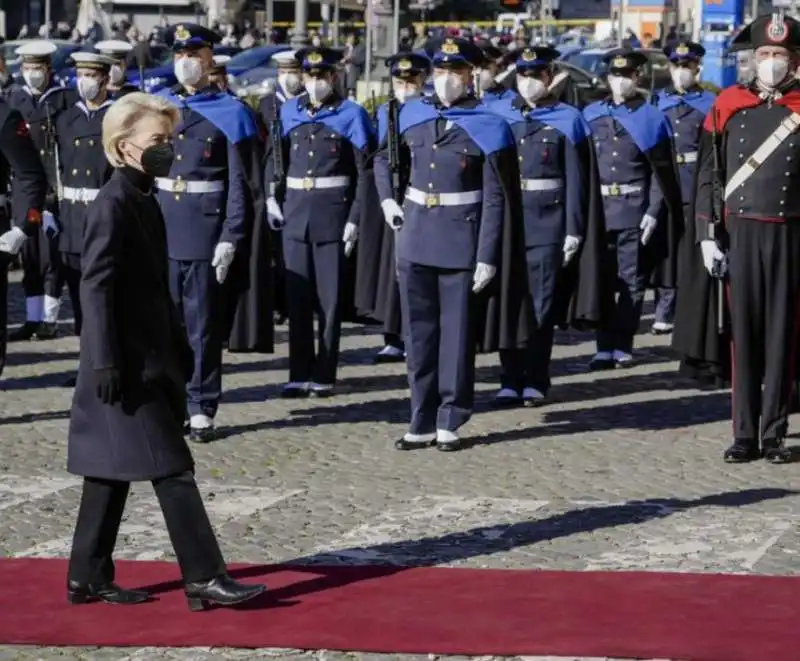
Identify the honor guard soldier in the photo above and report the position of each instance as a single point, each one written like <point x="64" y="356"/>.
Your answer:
<point x="377" y="296"/>
<point x="754" y="130"/>
<point x="119" y="52"/>
<point x="40" y="100"/>
<point x="327" y="141"/>
<point x="685" y="105"/>
<point x="633" y="143"/>
<point x="491" y="67"/>
<point x="218" y="72"/>
<point x="455" y="226"/>
<point x="206" y="198"/>
<point x="556" y="175"/>
<point x="84" y="169"/>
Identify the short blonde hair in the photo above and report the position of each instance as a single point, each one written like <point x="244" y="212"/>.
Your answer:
<point x="122" y="117"/>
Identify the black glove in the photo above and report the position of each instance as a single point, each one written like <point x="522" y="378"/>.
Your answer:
<point x="108" y="385"/>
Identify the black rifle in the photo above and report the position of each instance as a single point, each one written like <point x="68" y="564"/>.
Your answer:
<point x="276" y="144"/>
<point x="716" y="228"/>
<point x="393" y="144"/>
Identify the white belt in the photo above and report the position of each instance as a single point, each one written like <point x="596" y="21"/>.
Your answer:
<point x="541" y="184"/>
<point x="443" y="199"/>
<point x="775" y="140"/>
<point x="687" y="157"/>
<point x="191" y="187"/>
<point x="79" y="194"/>
<point x="614" y="190"/>
<point x="310" y="183"/>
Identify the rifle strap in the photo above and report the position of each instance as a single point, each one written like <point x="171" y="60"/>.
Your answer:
<point x="785" y="129"/>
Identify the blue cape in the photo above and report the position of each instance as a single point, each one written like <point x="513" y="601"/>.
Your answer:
<point x="224" y="111"/>
<point x="562" y="117"/>
<point x="647" y="125"/>
<point x="348" y="119"/>
<point x="699" y="100"/>
<point x="489" y="131"/>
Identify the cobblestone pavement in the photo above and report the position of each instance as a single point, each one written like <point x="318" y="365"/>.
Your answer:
<point x="619" y="470"/>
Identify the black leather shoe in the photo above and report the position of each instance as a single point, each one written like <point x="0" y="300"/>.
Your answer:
<point x="47" y="331"/>
<point x="449" y="446"/>
<point x="205" y="435"/>
<point x="776" y="452"/>
<point x="742" y="452"/>
<point x="221" y="591"/>
<point x="110" y="593"/>
<point x="404" y="446"/>
<point x="24" y="332"/>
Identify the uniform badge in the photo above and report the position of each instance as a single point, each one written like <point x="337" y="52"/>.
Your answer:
<point x="314" y="58"/>
<point x="182" y="34"/>
<point x="529" y="56"/>
<point x="777" y="30"/>
<point x="450" y="47"/>
<point x="404" y="64"/>
<point x="682" y="50"/>
<point x="620" y="63"/>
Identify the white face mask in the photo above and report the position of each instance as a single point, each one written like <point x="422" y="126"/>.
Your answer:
<point x="621" y="87"/>
<point x="682" y="78"/>
<point x="290" y="82"/>
<point x="188" y="71"/>
<point x="404" y="92"/>
<point x="318" y="90"/>
<point x="116" y="75"/>
<point x="88" y="88"/>
<point x="772" y="71"/>
<point x="34" y="79"/>
<point x="531" y="89"/>
<point x="449" y="87"/>
<point x="486" y="79"/>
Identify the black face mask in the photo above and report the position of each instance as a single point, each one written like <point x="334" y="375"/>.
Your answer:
<point x="157" y="159"/>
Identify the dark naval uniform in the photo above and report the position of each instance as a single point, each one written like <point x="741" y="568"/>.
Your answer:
<point x="640" y="191"/>
<point x="685" y="111"/>
<point x="118" y="51"/>
<point x="18" y="156"/>
<point x="326" y="151"/>
<point x="759" y="148"/>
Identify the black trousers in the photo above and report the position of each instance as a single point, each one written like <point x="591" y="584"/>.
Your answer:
<point x="100" y="514"/>
<point x="764" y="296"/>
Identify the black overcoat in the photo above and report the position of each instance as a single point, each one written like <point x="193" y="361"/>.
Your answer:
<point x="130" y="324"/>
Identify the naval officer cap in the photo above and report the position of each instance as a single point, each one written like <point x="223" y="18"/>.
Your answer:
<point x="285" y="60"/>
<point x="94" y="61"/>
<point x="36" y="51"/>
<point x="190" y="36"/>
<point x="219" y="63"/>
<point x="775" y="29"/>
<point x="685" y="51"/>
<point x="535" y="57"/>
<point x="115" y="48"/>
<point x="454" y="52"/>
<point x="624" y="60"/>
<point x="408" y="65"/>
<point x="318" y="58"/>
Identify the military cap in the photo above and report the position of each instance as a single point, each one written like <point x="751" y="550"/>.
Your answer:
<point x="96" y="61"/>
<point x="453" y="51"/>
<point x="406" y="65"/>
<point x="36" y="51"/>
<point x="532" y="57"/>
<point x="187" y="36"/>
<point x="684" y="51"/>
<point x="490" y="52"/>
<point x="318" y="58"/>
<point x="115" y="48"/>
<point x="775" y="29"/>
<point x="623" y="59"/>
<point x="286" y="60"/>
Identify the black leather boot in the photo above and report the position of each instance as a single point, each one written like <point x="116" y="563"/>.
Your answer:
<point x="221" y="591"/>
<point x="111" y="593"/>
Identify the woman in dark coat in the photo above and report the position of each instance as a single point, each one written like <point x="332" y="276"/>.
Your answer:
<point x="129" y="404"/>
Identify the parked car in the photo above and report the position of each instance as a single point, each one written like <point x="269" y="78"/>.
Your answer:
<point x="655" y="74"/>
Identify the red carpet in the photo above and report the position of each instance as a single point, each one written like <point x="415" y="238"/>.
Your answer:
<point x="706" y="617"/>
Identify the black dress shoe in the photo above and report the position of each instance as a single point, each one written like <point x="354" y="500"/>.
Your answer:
<point x="24" y="332"/>
<point x="449" y="446"/>
<point x="110" y="593"/>
<point x="742" y="452"/>
<point x="776" y="452"/>
<point x="222" y="591"/>
<point x="404" y="446"/>
<point x="46" y="331"/>
<point x="204" y="435"/>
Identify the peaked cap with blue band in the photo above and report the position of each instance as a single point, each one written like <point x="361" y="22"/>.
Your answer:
<point x="318" y="58"/>
<point x="647" y="125"/>
<point x="187" y="36"/>
<point x="405" y="65"/>
<point x="225" y="112"/>
<point x="348" y="119"/>
<point x="623" y="59"/>
<point x="534" y="57"/>
<point x="562" y="117"/>
<point x="685" y="51"/>
<point x="453" y="51"/>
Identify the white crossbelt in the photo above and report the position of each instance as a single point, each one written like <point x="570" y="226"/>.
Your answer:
<point x="79" y="194"/>
<point x="614" y="190"/>
<point x="310" y="183"/>
<point x="529" y="185"/>
<point x="443" y="199"/>
<point x="190" y="187"/>
<point x="686" y="157"/>
<point x="775" y="140"/>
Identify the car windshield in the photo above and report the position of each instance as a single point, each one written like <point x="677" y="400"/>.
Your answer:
<point x="591" y="62"/>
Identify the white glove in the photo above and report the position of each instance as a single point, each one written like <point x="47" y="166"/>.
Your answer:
<point x="274" y="214"/>
<point x="711" y="254"/>
<point x="50" y="225"/>
<point x="648" y="226"/>
<point x="483" y="276"/>
<point x="223" y="258"/>
<point x="350" y="236"/>
<point x="391" y="213"/>
<point x="571" y="245"/>
<point x="11" y="241"/>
